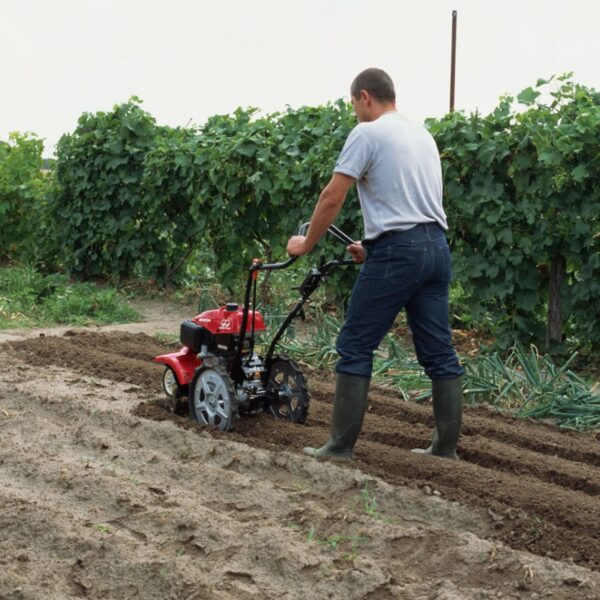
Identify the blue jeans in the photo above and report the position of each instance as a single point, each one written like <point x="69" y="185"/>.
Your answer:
<point x="403" y="269"/>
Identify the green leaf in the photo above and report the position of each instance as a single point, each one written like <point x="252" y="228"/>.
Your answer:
<point x="246" y="147"/>
<point x="550" y="157"/>
<point x="528" y="96"/>
<point x="541" y="82"/>
<point x="579" y="173"/>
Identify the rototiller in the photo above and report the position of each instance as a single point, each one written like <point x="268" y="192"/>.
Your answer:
<point x="217" y="369"/>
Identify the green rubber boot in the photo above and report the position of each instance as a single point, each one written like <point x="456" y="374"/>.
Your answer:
<point x="349" y="407"/>
<point x="447" y="416"/>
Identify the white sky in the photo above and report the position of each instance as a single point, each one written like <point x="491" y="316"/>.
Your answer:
<point x="191" y="59"/>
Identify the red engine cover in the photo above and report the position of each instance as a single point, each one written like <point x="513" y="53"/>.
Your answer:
<point x="224" y="320"/>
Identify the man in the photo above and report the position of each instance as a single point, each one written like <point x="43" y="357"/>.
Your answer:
<point x="396" y="166"/>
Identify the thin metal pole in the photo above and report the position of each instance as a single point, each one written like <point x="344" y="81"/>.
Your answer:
<point x="453" y="61"/>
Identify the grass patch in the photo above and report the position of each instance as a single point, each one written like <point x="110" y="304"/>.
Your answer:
<point x="171" y="339"/>
<point x="29" y="299"/>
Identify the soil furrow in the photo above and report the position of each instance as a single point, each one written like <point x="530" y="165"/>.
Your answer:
<point x="101" y="360"/>
<point x="529" y="514"/>
<point x="475" y="449"/>
<point x="112" y="355"/>
<point x="533" y="435"/>
<point x="540" y="484"/>
<point x="182" y="515"/>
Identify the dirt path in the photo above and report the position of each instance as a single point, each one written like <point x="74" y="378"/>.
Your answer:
<point x="104" y="494"/>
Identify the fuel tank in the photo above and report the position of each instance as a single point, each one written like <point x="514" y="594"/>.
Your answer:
<point x="228" y="320"/>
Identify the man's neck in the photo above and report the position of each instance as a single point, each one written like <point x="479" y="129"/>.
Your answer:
<point x="381" y="108"/>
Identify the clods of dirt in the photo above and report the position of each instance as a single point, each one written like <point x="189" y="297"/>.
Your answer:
<point x="108" y="494"/>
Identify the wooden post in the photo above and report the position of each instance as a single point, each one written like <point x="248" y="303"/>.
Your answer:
<point x="453" y="60"/>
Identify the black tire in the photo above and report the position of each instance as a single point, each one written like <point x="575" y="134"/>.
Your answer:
<point x="212" y="398"/>
<point x="173" y="391"/>
<point x="171" y="386"/>
<point x="287" y="390"/>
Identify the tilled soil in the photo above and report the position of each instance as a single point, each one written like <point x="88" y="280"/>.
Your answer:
<point x="458" y="529"/>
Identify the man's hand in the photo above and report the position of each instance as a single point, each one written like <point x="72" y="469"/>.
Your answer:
<point x="328" y="206"/>
<point x="357" y="251"/>
<point x="296" y="246"/>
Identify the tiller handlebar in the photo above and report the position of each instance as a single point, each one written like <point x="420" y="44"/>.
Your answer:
<point x="311" y="282"/>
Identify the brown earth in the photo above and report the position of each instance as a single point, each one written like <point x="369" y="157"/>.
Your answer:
<point x="106" y="494"/>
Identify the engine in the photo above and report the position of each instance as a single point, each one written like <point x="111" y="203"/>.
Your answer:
<point x="214" y="335"/>
<point x="217" y="331"/>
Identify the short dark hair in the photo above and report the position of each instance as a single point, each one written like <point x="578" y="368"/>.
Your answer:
<point x="375" y="81"/>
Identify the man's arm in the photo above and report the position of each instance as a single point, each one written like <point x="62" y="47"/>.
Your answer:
<point x="327" y="209"/>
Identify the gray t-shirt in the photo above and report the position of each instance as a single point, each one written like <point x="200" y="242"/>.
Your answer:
<point x="399" y="176"/>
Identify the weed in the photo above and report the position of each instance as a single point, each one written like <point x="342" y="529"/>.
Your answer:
<point x="535" y="529"/>
<point x="103" y="528"/>
<point x="337" y="542"/>
<point x="334" y="541"/>
<point x="369" y="503"/>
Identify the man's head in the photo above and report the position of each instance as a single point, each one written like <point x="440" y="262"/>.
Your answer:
<point x="372" y="93"/>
